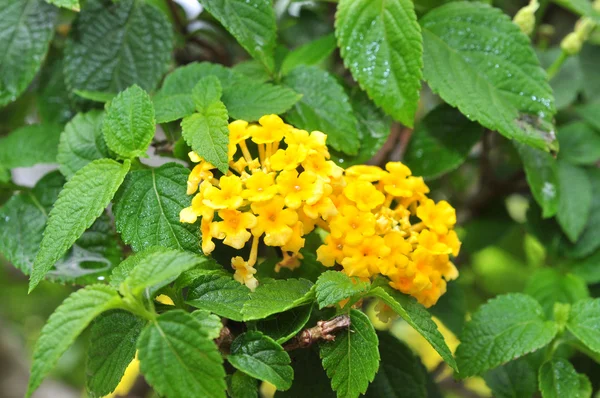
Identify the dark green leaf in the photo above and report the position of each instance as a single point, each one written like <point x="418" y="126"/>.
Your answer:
<point x="568" y="82"/>
<point x="312" y="53"/>
<point x="277" y="296"/>
<point x="581" y="7"/>
<point x="54" y="102"/>
<point x="579" y="143"/>
<point x="451" y="308"/>
<point x="334" y="286"/>
<point x="516" y="379"/>
<point x="542" y="176"/>
<point x="249" y="101"/>
<point x="590" y="239"/>
<point x="558" y="379"/>
<point x="240" y="385"/>
<point x="589" y="113"/>
<point x="587" y="268"/>
<point x="282" y="327"/>
<point x="30" y="145"/>
<point x="211" y="323"/>
<point x="218" y="292"/>
<point x="310" y="380"/>
<point x="589" y="57"/>
<point x="575" y="199"/>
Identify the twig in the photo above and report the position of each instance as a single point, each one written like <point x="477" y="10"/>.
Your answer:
<point x="224" y="340"/>
<point x="325" y="330"/>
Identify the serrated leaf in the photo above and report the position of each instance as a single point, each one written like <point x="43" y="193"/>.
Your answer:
<point x="311" y="53"/>
<point x="324" y="107"/>
<point x="250" y="101"/>
<point x="352" y="359"/>
<point x="206" y="131"/>
<point x="112" y="348"/>
<point x="116" y="45"/>
<point x="276" y="296"/>
<point x="65" y="324"/>
<point x="262" y="358"/>
<point x="211" y="323"/>
<point x="575" y="199"/>
<point x="516" y="379"/>
<point x="26" y="29"/>
<point x="549" y="286"/>
<point x="542" y="176"/>
<point x="218" y="292"/>
<point x="401" y="374"/>
<point x="240" y="385"/>
<point x="380" y="42"/>
<point x="503" y="329"/>
<point x="81" y="142"/>
<point x="334" y="286"/>
<point x="491" y="80"/>
<point x="416" y="316"/>
<point x="178" y="359"/>
<point x="282" y="327"/>
<point x="30" y="145"/>
<point x="252" y="23"/>
<point x="590" y="239"/>
<point x="558" y="379"/>
<point x="147" y="209"/>
<point x="579" y="144"/>
<point x="441" y="142"/>
<point x="70" y="4"/>
<point x="129" y="125"/>
<point x="584" y="323"/>
<point x="82" y="200"/>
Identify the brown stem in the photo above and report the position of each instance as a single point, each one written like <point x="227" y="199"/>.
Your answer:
<point x="325" y="330"/>
<point x="224" y="340"/>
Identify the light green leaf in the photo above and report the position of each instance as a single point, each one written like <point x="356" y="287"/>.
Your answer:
<point x="82" y="200"/>
<point x="584" y="323"/>
<point x="334" y="286"/>
<point x="81" y="142"/>
<point x="516" y="379"/>
<point x="542" y="176"/>
<point x="575" y="199"/>
<point x="116" y="45"/>
<point x="276" y="296"/>
<point x="497" y="82"/>
<point x="96" y="96"/>
<point x="211" y="323"/>
<point x="589" y="113"/>
<point x="324" y="107"/>
<point x="112" y="348"/>
<point x="312" y="53"/>
<point x="65" y="324"/>
<point x="252" y="23"/>
<point x="129" y="124"/>
<point x="549" y="286"/>
<point x="441" y="142"/>
<point x="380" y="42"/>
<point x="240" y="385"/>
<point x="262" y="358"/>
<point x="503" y="329"/>
<point x="579" y="144"/>
<point x="558" y="379"/>
<point x="218" y="292"/>
<point x="590" y="239"/>
<point x="206" y="131"/>
<point x="249" y="101"/>
<point x="178" y="358"/>
<point x="352" y="359"/>
<point x="252" y="69"/>
<point x="26" y="28"/>
<point x="30" y="145"/>
<point x="70" y="4"/>
<point x="401" y="373"/>
<point x="147" y="209"/>
<point x="417" y="317"/>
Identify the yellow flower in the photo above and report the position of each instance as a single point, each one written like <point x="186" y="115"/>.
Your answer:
<point x="352" y="225"/>
<point x="296" y="242"/>
<point x="366" y="173"/>
<point x="229" y="196"/>
<point x="430" y="241"/>
<point x="288" y="159"/>
<point x="274" y="221"/>
<point x="273" y="129"/>
<point x="331" y="252"/>
<point x="244" y="273"/>
<point x="200" y="172"/>
<point x="299" y="188"/>
<point x="234" y="227"/>
<point x="205" y="228"/>
<point x="324" y="207"/>
<point x="364" y="194"/>
<point x="260" y="186"/>
<point x="438" y="217"/>
<point x="363" y="260"/>
<point x="325" y="169"/>
<point x="313" y="142"/>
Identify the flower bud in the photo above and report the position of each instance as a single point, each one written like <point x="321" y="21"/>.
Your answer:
<point x="525" y="17"/>
<point x="571" y="44"/>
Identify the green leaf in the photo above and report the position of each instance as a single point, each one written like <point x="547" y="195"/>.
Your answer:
<point x="112" y="348"/>
<point x="589" y="113"/>
<point x="401" y="374"/>
<point x="380" y="42"/>
<point x="70" y="4"/>
<point x="558" y="379"/>
<point x="589" y="57"/>
<point x="30" y="145"/>
<point x="575" y="199"/>
<point x="82" y="200"/>
<point x="26" y="30"/>
<point x="542" y="176"/>
<point x="581" y="7"/>
<point x="147" y="209"/>
<point x="178" y="358"/>
<point x="334" y="286"/>
<point x="503" y="329"/>
<point x="206" y="131"/>
<point x="129" y="123"/>
<point x="579" y="144"/>
<point x="590" y="239"/>
<point x="249" y="101"/>
<point x="96" y="96"/>
<point x="352" y="359"/>
<point x="276" y="296"/>
<point x="262" y="358"/>
<point x="324" y="107"/>
<point x="251" y="23"/>
<point x="584" y="323"/>
<point x="54" y="102"/>
<point x="416" y="316"/>
<point x="65" y="324"/>
<point x="451" y="308"/>
<point x="116" y="45"/>
<point x="586" y="268"/>
<point x="218" y="292"/>
<point x="241" y="385"/>
<point x="498" y="83"/>
<point x="549" y="286"/>
<point x="252" y="69"/>
<point x="310" y="380"/>
<point x="441" y="142"/>
<point x="283" y="326"/>
<point x="516" y="379"/>
<point x="81" y="142"/>
<point x="211" y="323"/>
<point x="568" y="82"/>
<point x="312" y="53"/>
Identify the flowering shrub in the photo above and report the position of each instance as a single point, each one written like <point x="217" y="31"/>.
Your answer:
<point x="275" y="198"/>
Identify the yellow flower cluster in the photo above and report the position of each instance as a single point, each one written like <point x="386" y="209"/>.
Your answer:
<point x="288" y="190"/>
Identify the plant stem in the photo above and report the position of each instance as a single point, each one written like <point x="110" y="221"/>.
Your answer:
<point x="556" y="65"/>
